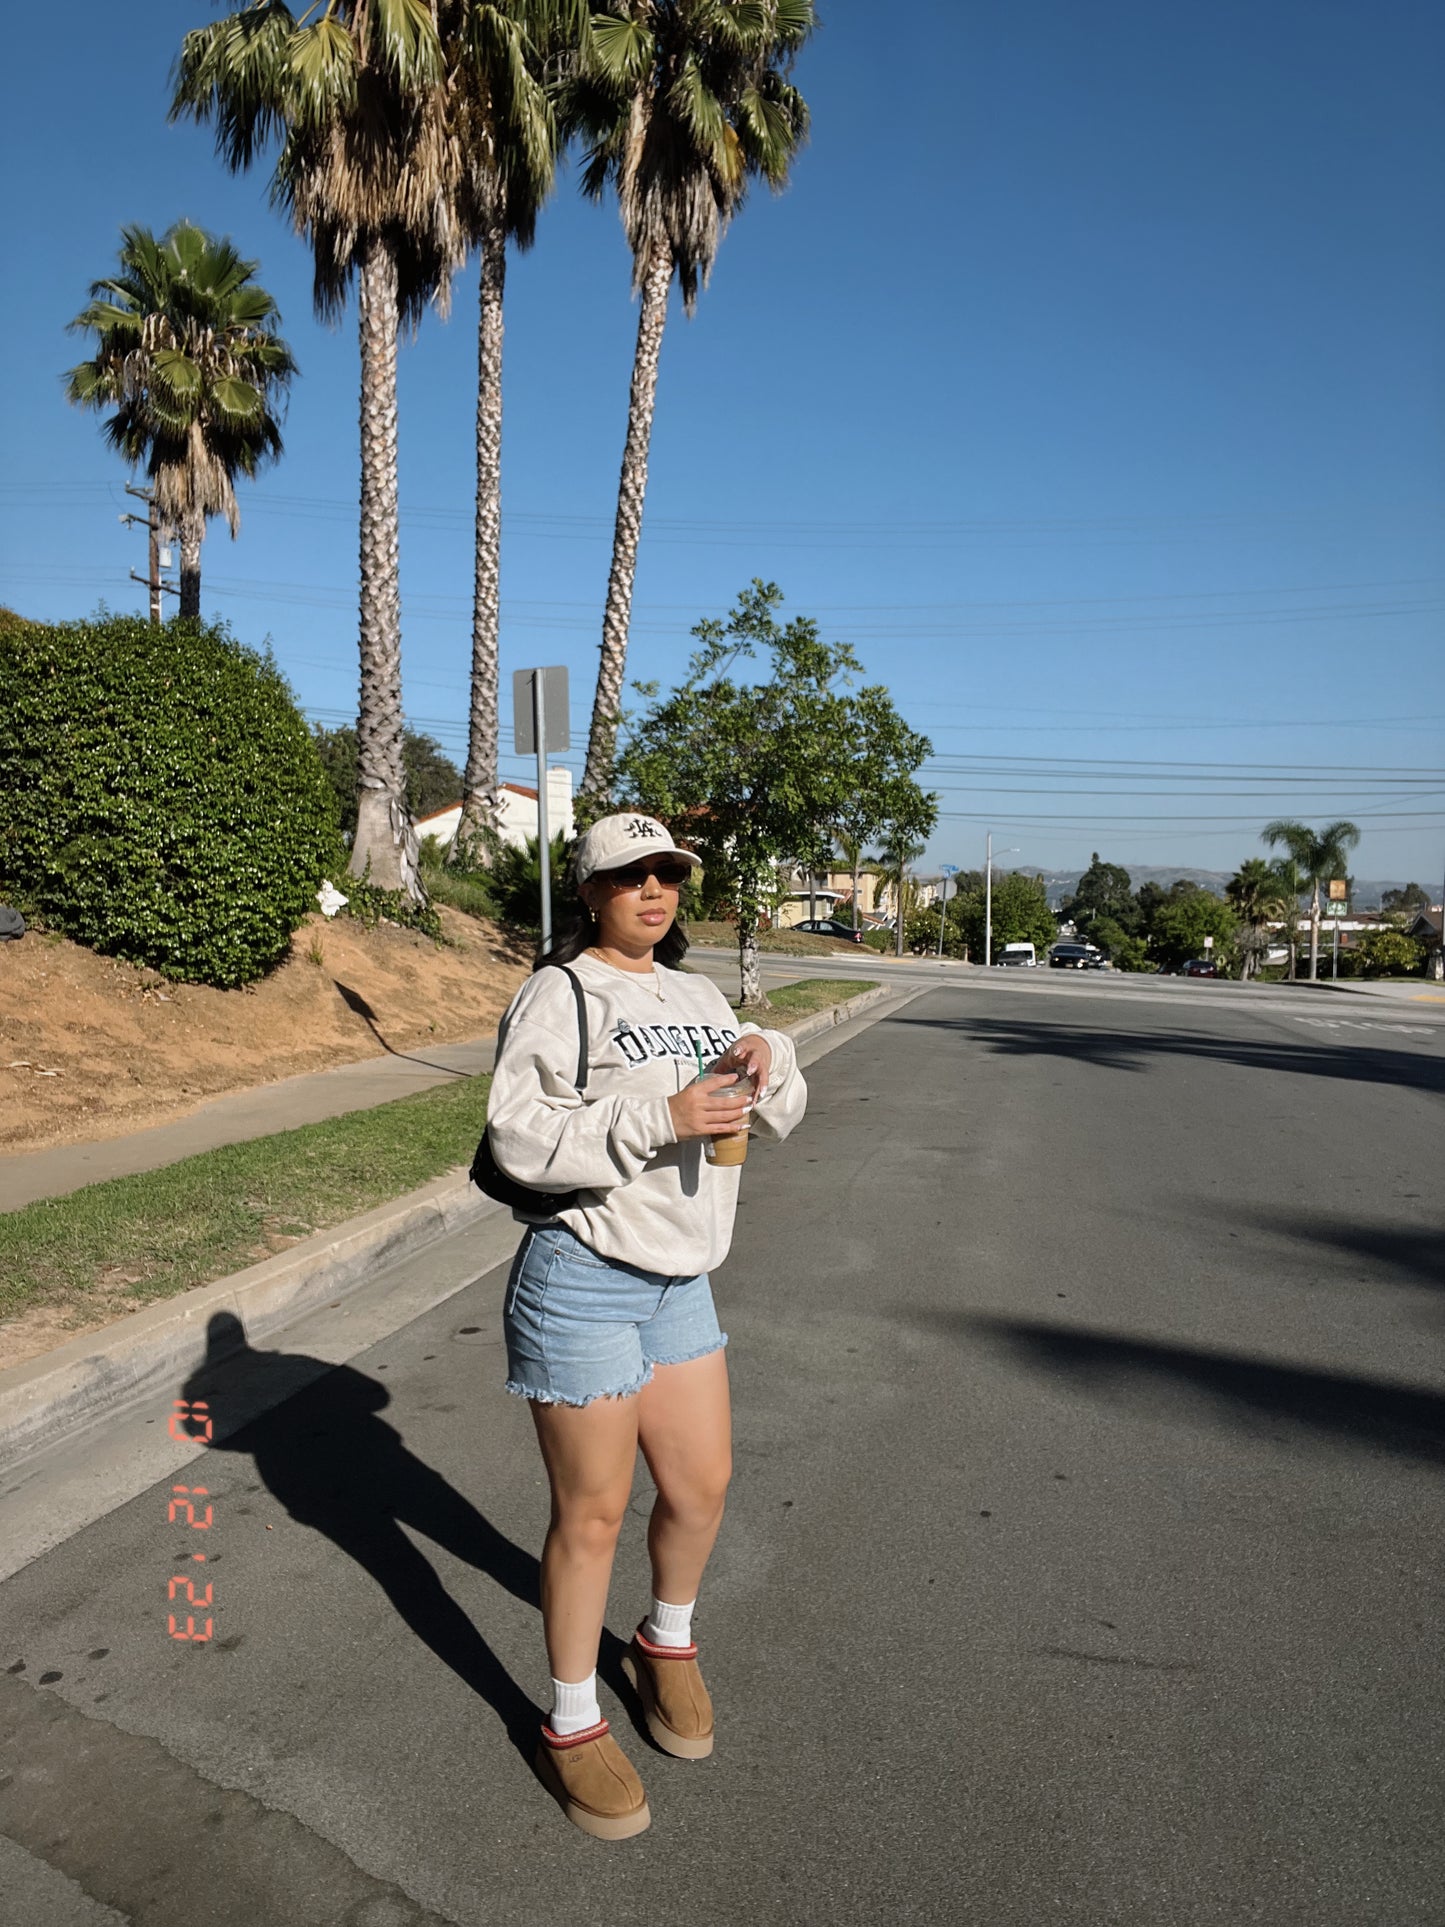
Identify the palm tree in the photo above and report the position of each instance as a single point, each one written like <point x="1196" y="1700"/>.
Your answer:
<point x="187" y="358"/>
<point x="897" y="853"/>
<point x="682" y="102"/>
<point x="1258" y="894"/>
<point x="369" y="173"/>
<point x="502" y="112"/>
<point x="1316" y="856"/>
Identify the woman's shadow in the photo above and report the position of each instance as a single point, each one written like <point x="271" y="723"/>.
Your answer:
<point x="326" y="1454"/>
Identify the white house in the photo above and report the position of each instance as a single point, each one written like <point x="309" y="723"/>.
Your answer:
<point x="519" y="812"/>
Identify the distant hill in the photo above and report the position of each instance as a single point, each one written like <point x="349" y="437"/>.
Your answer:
<point x="1062" y="883"/>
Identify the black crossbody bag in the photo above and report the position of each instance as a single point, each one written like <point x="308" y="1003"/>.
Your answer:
<point x="488" y="1175"/>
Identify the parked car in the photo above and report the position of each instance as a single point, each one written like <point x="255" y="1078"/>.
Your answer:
<point x="1073" y="956"/>
<point x="829" y="927"/>
<point x="1200" y="967"/>
<point x="1018" y="956"/>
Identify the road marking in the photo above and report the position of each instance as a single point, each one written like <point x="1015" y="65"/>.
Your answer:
<point x="1356" y="1023"/>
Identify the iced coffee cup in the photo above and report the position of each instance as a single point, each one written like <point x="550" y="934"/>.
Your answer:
<point x="732" y="1149"/>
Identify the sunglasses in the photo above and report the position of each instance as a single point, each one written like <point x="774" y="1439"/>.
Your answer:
<point x="632" y="876"/>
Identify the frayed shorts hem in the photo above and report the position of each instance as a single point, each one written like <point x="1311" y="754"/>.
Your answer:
<point x="557" y="1398"/>
<point x="619" y="1391"/>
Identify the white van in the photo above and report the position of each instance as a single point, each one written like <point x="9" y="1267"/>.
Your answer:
<point x="1020" y="955"/>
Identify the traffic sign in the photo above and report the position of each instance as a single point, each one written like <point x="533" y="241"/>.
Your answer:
<point x="1333" y="909"/>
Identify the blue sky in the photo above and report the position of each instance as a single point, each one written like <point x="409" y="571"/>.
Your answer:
<point x="1090" y="378"/>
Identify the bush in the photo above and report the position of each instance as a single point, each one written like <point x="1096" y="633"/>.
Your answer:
<point x="161" y="798"/>
<point x="516" y="881"/>
<point x="883" y="941"/>
<point x="1385" y="953"/>
<point x="460" y="885"/>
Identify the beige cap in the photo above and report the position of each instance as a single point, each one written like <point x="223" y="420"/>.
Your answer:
<point x="614" y="841"/>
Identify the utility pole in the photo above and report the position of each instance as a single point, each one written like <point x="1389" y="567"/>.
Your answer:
<point x="152" y="578"/>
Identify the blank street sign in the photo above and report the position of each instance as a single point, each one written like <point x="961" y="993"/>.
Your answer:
<point x="554" y="705"/>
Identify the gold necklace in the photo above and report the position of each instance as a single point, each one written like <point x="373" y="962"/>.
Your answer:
<point x="651" y="980"/>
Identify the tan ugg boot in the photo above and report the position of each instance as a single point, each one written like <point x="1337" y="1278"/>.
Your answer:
<point x="595" y="1782"/>
<point x="674" y="1699"/>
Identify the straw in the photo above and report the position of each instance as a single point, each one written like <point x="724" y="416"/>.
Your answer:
<point x="697" y="1046"/>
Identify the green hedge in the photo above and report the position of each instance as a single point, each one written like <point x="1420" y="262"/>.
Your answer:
<point x="161" y="798"/>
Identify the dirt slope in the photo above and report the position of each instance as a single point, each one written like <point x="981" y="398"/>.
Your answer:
<point x="91" y="1048"/>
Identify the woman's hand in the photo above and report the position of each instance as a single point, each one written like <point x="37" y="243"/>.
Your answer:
<point x="752" y="1054"/>
<point x="712" y="1107"/>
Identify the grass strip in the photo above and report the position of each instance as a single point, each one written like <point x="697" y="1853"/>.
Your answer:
<point x="129" y="1241"/>
<point x="795" y="1001"/>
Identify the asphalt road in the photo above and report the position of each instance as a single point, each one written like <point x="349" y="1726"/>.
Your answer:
<point x="1083" y="1563"/>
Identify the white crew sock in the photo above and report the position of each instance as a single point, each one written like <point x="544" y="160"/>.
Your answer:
<point x="574" y="1706"/>
<point x="669" y="1625"/>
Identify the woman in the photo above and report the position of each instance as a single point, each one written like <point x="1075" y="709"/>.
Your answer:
<point x="609" y="1319"/>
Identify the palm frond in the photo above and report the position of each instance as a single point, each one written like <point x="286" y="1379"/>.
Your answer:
<point x="622" y="51"/>
<point x="322" y="73"/>
<point x="409" y="45"/>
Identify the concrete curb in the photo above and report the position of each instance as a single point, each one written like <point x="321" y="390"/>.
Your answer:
<point x="103" y="1370"/>
<point x="823" y="1020"/>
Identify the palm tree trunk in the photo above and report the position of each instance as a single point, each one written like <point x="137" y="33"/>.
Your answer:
<point x="192" y="532"/>
<point x="632" y="487"/>
<point x="384" y="838"/>
<point x="856" y="860"/>
<point x="480" y="803"/>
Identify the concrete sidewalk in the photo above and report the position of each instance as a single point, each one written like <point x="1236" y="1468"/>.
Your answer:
<point x="237" y="1116"/>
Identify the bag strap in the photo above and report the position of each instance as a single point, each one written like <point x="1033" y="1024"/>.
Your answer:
<point x="583" y="1051"/>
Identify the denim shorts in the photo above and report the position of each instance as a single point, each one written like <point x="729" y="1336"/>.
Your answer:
<point x="580" y="1327"/>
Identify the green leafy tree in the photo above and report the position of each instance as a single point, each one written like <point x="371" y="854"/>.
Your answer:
<point x="356" y="99"/>
<point x="1103" y="891"/>
<point x="745" y="771"/>
<point x="1181" y="925"/>
<point x="1021" y="914"/>
<point x="1124" y="950"/>
<point x="1318" y="855"/>
<point x="188" y="361"/>
<point x="680" y="104"/>
<point x="910" y="814"/>
<point x="1405" y="902"/>
<point x="882" y="758"/>
<point x="433" y="781"/>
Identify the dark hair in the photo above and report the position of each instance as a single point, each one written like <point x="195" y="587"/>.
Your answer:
<point x="574" y="928"/>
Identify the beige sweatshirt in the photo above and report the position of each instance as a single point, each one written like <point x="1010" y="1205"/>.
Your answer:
<point x="646" y="1199"/>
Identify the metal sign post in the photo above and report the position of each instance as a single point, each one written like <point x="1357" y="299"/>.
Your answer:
<point x="949" y="870"/>
<point x="540" y="723"/>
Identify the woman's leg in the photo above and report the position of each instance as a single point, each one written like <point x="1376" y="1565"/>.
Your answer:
<point x="684" y="1425"/>
<point x="590" y="1453"/>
